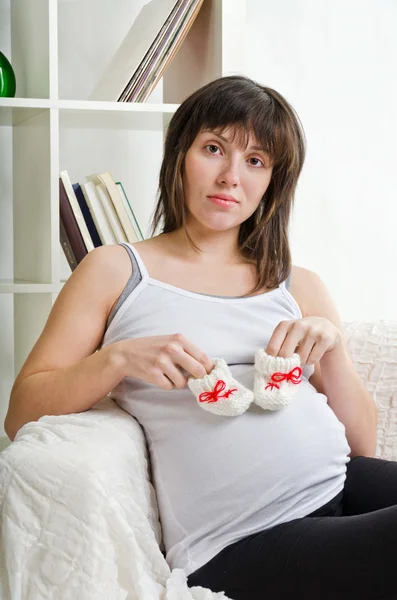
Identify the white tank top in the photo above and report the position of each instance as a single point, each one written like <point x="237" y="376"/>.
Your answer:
<point x="220" y="479"/>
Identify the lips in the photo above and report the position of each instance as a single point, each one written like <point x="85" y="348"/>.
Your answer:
<point x="226" y="203"/>
<point x="224" y="197"/>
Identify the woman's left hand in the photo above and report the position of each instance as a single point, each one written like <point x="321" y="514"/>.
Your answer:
<point x="310" y="337"/>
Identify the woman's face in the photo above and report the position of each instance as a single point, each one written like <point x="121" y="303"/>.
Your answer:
<point x="216" y="167"/>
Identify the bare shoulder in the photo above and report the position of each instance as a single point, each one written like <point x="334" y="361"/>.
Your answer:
<point x="105" y="271"/>
<point x="150" y="248"/>
<point x="312" y="295"/>
<point x="114" y="262"/>
<point x="113" y="255"/>
<point x="116" y="268"/>
<point x="153" y="253"/>
<point x="117" y="256"/>
<point x="301" y="285"/>
<point x="120" y="266"/>
<point x="119" y="260"/>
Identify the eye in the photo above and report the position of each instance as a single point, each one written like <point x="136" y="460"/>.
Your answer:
<point x="259" y="160"/>
<point x="212" y="146"/>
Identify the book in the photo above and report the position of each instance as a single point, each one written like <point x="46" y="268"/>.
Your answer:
<point x="98" y="213"/>
<point x="146" y="51"/>
<point x="111" y="213"/>
<point x="107" y="179"/>
<point x="130" y="212"/>
<point x="154" y="50"/>
<point x="70" y="226"/>
<point x="67" y="246"/>
<point x="87" y="215"/>
<point x="141" y="86"/>
<point x="132" y="50"/>
<point x="76" y="210"/>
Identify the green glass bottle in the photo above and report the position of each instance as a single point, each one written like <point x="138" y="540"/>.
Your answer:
<point x="7" y="78"/>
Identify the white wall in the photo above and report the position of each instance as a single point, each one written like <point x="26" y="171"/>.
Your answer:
<point x="336" y="63"/>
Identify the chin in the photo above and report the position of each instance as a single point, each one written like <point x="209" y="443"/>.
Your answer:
<point x="220" y="225"/>
<point x="217" y="221"/>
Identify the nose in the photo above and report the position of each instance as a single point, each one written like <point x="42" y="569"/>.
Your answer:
<point x="229" y="175"/>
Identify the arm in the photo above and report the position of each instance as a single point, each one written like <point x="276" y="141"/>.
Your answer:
<point x="67" y="390"/>
<point x="64" y="373"/>
<point x="335" y="374"/>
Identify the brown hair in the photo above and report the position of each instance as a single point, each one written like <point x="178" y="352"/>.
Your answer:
<point x="246" y="106"/>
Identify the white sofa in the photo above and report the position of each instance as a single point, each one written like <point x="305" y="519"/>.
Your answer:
<point x="79" y="517"/>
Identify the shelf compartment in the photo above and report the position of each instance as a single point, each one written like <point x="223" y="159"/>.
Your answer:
<point x="132" y="156"/>
<point x="30" y="315"/>
<point x="115" y="115"/>
<point x="14" y="111"/>
<point x="30" y="35"/>
<point x="19" y="286"/>
<point x="32" y="199"/>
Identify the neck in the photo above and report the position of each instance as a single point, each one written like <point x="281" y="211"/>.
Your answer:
<point x="216" y="247"/>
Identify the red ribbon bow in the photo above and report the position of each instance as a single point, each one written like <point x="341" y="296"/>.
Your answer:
<point x="291" y="376"/>
<point x="216" y="393"/>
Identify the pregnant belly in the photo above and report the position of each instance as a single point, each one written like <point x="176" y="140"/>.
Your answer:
<point x="241" y="465"/>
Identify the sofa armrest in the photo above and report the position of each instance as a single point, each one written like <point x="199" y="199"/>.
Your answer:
<point x="78" y="505"/>
<point x="373" y="348"/>
<point x="104" y="436"/>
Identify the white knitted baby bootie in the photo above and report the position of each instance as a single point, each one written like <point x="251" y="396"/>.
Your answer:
<point x="219" y="393"/>
<point x="276" y="380"/>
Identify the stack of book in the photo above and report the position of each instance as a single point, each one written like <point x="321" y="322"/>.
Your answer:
<point x="147" y="50"/>
<point x="93" y="214"/>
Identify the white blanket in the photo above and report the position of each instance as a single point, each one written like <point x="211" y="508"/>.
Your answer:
<point x="78" y="514"/>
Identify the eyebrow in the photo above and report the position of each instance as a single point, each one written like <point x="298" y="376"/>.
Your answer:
<point x="259" y="148"/>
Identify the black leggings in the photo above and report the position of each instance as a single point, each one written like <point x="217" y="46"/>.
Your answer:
<point x="346" y="550"/>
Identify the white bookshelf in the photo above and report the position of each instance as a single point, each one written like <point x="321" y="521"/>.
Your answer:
<point x="50" y="126"/>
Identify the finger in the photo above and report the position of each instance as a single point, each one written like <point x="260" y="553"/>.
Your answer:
<point x="305" y="349"/>
<point x="317" y="352"/>
<point x="284" y="340"/>
<point x="177" y="351"/>
<point x="300" y="340"/>
<point x="208" y="363"/>
<point x="195" y="358"/>
<point x="291" y="344"/>
<point x="165" y="364"/>
<point x="277" y="339"/>
<point x="192" y="366"/>
<point x="161" y="380"/>
<point x="175" y="376"/>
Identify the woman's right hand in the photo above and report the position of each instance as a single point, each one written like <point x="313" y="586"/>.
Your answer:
<point x="157" y="359"/>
